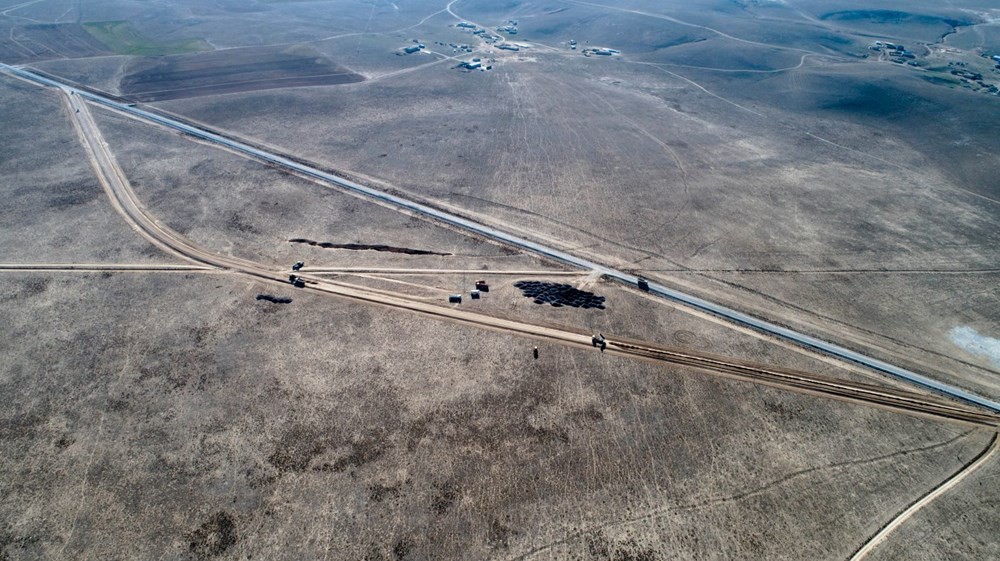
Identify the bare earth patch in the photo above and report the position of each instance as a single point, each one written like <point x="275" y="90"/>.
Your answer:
<point x="230" y="71"/>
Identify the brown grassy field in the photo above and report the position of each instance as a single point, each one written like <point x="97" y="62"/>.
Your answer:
<point x="230" y="71"/>
<point x="42" y="41"/>
<point x="233" y="427"/>
<point x="748" y="152"/>
<point x="54" y="209"/>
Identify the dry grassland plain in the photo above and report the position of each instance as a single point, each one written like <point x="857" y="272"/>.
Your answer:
<point x="756" y="153"/>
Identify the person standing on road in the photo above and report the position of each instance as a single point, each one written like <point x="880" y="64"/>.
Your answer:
<point x="536" y="353"/>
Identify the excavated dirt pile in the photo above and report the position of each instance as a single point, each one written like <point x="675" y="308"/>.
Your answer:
<point x="559" y="295"/>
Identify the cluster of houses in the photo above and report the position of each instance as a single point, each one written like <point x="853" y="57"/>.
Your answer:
<point x="475" y="64"/>
<point x="455" y="47"/>
<point x="509" y="28"/>
<point x="482" y="33"/>
<point x="897" y="53"/>
<point x="410" y="49"/>
<point x="994" y="58"/>
<point x="967" y="77"/>
<point x="975" y="81"/>
<point x="603" y="51"/>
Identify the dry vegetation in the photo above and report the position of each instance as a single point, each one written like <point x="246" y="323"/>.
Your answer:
<point x="208" y="416"/>
<point x="53" y="208"/>
<point x="821" y="169"/>
<point x="957" y="526"/>
<point x="243" y="208"/>
<point x="230" y="71"/>
<point x="236" y="426"/>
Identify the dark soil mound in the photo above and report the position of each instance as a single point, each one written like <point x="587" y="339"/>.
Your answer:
<point x="214" y="536"/>
<point x="367" y="247"/>
<point x="559" y="295"/>
<point x="275" y="299"/>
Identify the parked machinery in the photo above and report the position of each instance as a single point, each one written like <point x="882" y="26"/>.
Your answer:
<point x="599" y="341"/>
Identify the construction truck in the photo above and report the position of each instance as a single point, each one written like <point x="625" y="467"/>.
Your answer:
<point x="599" y="341"/>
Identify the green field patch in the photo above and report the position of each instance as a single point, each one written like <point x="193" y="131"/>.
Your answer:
<point x="121" y="38"/>
<point x="892" y="17"/>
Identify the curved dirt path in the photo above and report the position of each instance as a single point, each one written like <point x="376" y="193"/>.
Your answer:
<point x="936" y="492"/>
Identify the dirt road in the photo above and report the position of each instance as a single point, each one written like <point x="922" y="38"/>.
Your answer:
<point x="101" y="267"/>
<point x="936" y="492"/>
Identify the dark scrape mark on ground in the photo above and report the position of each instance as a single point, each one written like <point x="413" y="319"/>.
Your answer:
<point x="274" y="299"/>
<point x="368" y="247"/>
<point x="214" y="536"/>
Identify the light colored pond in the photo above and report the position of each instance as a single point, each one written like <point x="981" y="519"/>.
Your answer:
<point x="971" y="341"/>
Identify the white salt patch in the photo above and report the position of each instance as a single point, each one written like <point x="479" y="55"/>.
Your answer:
<point x="970" y="340"/>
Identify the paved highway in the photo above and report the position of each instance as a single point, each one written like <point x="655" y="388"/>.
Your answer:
<point x="528" y="245"/>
